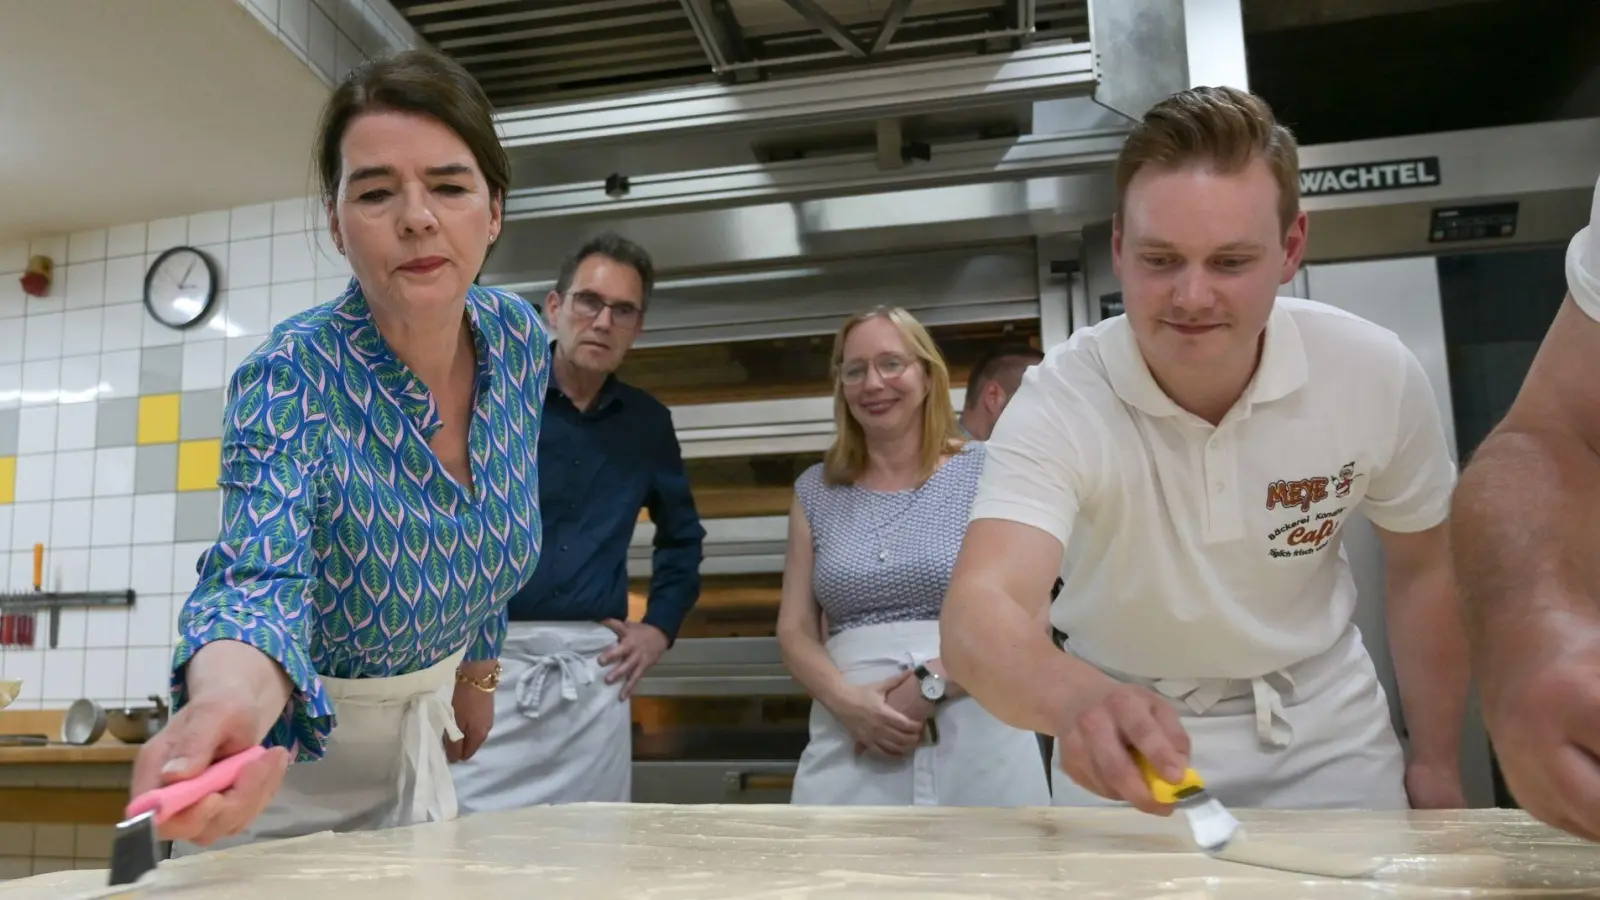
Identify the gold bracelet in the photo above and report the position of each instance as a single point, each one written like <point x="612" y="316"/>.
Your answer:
<point x="487" y="683"/>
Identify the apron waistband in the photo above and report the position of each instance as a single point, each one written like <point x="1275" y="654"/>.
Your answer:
<point x="425" y="716"/>
<point x="564" y="648"/>
<point x="1265" y="692"/>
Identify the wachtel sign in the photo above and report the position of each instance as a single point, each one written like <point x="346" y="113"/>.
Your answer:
<point x="1359" y="178"/>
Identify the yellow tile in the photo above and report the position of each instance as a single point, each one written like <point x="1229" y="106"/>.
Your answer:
<point x="8" y="479"/>
<point x="158" y="419"/>
<point x="199" y="465"/>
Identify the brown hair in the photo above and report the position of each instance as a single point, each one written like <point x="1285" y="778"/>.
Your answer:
<point x="846" y="459"/>
<point x="1223" y="128"/>
<point x="413" y="81"/>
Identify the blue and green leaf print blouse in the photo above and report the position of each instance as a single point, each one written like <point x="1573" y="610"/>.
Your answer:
<point x="346" y="548"/>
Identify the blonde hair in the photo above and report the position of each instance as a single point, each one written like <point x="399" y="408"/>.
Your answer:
<point x="846" y="459"/>
<point x="1223" y="128"/>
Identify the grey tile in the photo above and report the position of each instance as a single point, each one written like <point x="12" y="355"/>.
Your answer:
<point x="155" y="469"/>
<point x="116" y="422"/>
<point x="161" y="370"/>
<point x="199" y="513"/>
<point x="10" y="424"/>
<point x="200" y="415"/>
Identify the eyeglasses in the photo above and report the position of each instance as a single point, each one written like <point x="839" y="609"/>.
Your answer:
<point x="887" y="365"/>
<point x="588" y="304"/>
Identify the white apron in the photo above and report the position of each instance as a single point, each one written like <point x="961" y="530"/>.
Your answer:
<point x="1316" y="735"/>
<point x="383" y="766"/>
<point x="561" y="734"/>
<point x="979" y="760"/>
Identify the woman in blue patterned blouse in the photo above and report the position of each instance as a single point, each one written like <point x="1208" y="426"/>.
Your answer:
<point x="379" y="492"/>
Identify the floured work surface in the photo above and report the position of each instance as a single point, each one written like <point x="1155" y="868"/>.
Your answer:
<point x="711" y="852"/>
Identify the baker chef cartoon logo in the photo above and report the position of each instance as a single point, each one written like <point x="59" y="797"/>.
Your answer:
<point x="1316" y="525"/>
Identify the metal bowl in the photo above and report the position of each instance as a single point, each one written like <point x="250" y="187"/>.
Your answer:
<point x="85" y="723"/>
<point x="135" y="725"/>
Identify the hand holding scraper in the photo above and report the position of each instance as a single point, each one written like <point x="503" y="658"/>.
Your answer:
<point x="134" y="852"/>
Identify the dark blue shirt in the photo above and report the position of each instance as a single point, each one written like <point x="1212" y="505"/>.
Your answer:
<point x="597" y="468"/>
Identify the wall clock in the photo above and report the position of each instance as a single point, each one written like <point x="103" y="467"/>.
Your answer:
<point x="181" y="287"/>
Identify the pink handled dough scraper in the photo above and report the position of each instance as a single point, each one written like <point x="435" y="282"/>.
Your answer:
<point x="134" y="852"/>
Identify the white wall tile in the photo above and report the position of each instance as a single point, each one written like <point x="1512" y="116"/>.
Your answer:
<point x="125" y="279"/>
<point x="86" y="285"/>
<point x="329" y="288"/>
<point x="13" y="302"/>
<point x="209" y="228"/>
<point x="292" y="257"/>
<point x="107" y="628"/>
<point x="11" y="342"/>
<point x="87" y="245"/>
<point x="71" y="523"/>
<point x="5" y="538"/>
<point x="105" y="666"/>
<point x="249" y="311"/>
<point x="80" y="331"/>
<point x="238" y="350"/>
<point x="119" y="373"/>
<point x="249" y="263"/>
<point x="152" y="567"/>
<point x="323" y="48"/>
<point x="113" y="471"/>
<point x="113" y="522"/>
<point x="165" y="234"/>
<point x="63" y="670"/>
<point x="268" y="10"/>
<point x="30" y="524"/>
<point x="294" y="21"/>
<point x="36" y="479"/>
<point x="41" y="382"/>
<point x="10" y="386"/>
<point x="292" y="215"/>
<point x="36" y="431"/>
<point x="251" y="222"/>
<point x="109" y="568"/>
<point x="71" y="468"/>
<point x="185" y="575"/>
<point x="28" y="665"/>
<point x="43" y="336"/>
<point x="68" y="570"/>
<point x="149" y="671"/>
<point x="202" y="366"/>
<point x="80" y="379"/>
<point x="154" y="522"/>
<point x="159" y="335"/>
<point x="288" y="299"/>
<point x="122" y="326"/>
<point x="75" y="429"/>
<point x="126" y="240"/>
<point x="150" y="622"/>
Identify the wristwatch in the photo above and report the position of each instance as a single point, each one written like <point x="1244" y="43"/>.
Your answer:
<point x="932" y="684"/>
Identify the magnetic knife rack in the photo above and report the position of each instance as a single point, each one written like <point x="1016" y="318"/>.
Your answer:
<point x="55" y="601"/>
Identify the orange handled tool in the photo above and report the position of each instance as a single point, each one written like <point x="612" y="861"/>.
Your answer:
<point x="38" y="567"/>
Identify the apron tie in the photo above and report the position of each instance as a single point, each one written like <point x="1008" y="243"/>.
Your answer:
<point x="530" y="685"/>
<point x="434" y="796"/>
<point x="1200" y="694"/>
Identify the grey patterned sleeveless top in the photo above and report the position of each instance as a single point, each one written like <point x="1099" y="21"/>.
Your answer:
<point x="887" y="556"/>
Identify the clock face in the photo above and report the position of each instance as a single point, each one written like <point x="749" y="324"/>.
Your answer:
<point x="180" y="287"/>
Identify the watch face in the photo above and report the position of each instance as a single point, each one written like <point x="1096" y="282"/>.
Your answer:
<point x="933" y="687"/>
<point x="180" y="287"/>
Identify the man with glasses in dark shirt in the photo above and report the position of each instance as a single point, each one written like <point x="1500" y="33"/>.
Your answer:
<point x="571" y="660"/>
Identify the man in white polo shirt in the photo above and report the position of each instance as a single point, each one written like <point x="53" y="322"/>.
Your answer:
<point x="1526" y="529"/>
<point x="1188" y="469"/>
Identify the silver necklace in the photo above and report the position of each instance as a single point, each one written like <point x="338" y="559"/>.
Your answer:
<point x="897" y="519"/>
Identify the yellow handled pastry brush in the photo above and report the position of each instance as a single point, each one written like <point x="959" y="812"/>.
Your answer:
<point x="1219" y="834"/>
<point x="1210" y="822"/>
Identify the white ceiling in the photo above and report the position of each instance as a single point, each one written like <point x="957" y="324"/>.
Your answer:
<point x="116" y="111"/>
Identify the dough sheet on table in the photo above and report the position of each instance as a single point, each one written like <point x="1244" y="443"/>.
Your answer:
<point x="650" y="852"/>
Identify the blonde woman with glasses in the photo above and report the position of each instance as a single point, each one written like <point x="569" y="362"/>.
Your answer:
<point x="873" y="537"/>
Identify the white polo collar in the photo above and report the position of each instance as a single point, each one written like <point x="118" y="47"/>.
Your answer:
<point x="1282" y="370"/>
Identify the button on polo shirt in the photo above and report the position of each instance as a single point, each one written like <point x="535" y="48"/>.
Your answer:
<point x="1200" y="551"/>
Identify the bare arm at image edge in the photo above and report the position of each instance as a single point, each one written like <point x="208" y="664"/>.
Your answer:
<point x="1524" y="526"/>
<point x="990" y="631"/>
